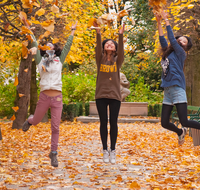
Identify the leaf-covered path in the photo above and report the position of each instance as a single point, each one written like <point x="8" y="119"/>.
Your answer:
<point x="148" y="157"/>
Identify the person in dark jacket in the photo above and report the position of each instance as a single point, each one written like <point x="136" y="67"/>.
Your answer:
<point x="173" y="79"/>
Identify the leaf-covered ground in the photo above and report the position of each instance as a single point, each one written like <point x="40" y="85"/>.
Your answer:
<point x="148" y="157"/>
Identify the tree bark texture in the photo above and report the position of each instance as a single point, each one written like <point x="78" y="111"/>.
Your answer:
<point x="33" y="89"/>
<point x="192" y="70"/>
<point x="23" y="87"/>
<point x="0" y="134"/>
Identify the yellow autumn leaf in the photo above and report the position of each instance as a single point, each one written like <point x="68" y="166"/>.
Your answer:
<point x="20" y="95"/>
<point x="22" y="15"/>
<point x="15" y="108"/>
<point x="36" y="4"/>
<point x="24" y="51"/>
<point x="25" y="30"/>
<point x="123" y="13"/>
<point x="40" y="12"/>
<point x="91" y="21"/>
<point x="45" y="47"/>
<point x="46" y="34"/>
<point x="16" y="81"/>
<point x="55" y="9"/>
<point x="13" y="118"/>
<point x="190" y="6"/>
<point x="48" y="25"/>
<point x="55" y="40"/>
<point x="176" y="28"/>
<point x="134" y="185"/>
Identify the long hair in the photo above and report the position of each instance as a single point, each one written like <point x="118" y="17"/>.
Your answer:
<point x="114" y="54"/>
<point x="57" y="48"/>
<point x="168" y="50"/>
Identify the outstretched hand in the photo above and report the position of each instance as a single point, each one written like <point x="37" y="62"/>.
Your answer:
<point x="121" y="29"/>
<point x="158" y="17"/>
<point x="164" y="14"/>
<point x="96" y="26"/>
<point x="74" y="26"/>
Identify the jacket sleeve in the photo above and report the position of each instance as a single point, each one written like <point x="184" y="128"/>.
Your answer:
<point x="180" y="52"/>
<point x="120" y="51"/>
<point x="98" y="49"/>
<point x="38" y="56"/>
<point x="163" y="42"/>
<point x="66" y="49"/>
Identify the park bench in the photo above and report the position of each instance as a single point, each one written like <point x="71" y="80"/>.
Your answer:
<point x="193" y="114"/>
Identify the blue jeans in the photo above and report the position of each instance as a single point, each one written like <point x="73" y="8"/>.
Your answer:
<point x="174" y="95"/>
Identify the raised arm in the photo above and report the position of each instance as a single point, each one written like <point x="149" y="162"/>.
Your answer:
<point x="98" y="48"/>
<point x="162" y="39"/>
<point x="120" y="51"/>
<point x="68" y="44"/>
<point x="177" y="48"/>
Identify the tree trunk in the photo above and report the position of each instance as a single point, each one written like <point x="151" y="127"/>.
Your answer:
<point x="23" y="89"/>
<point x="33" y="90"/>
<point x="192" y="76"/>
<point x="0" y="134"/>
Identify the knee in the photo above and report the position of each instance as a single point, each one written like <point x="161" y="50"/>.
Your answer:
<point x="55" y="130"/>
<point x="164" y="123"/>
<point x="184" y="122"/>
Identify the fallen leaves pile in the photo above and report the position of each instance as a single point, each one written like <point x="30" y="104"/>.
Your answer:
<point x="148" y="157"/>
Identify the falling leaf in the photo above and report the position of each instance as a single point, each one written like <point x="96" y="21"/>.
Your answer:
<point x="13" y="118"/>
<point x="25" y="30"/>
<point x="91" y="22"/>
<point x="48" y="25"/>
<point x="45" y="47"/>
<point x="190" y="6"/>
<point x="20" y="95"/>
<point x="22" y="15"/>
<point x="15" y="108"/>
<point x="46" y="34"/>
<point x="55" y="40"/>
<point x="123" y="13"/>
<point x="55" y="9"/>
<point x="24" y="50"/>
<point x="26" y="70"/>
<point x="16" y="81"/>
<point x="40" y="12"/>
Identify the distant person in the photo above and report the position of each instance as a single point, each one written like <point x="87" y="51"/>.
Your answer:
<point x="109" y="59"/>
<point x="173" y="79"/>
<point x="50" y="68"/>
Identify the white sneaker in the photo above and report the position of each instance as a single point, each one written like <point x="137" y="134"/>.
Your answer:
<point x="105" y="156"/>
<point x="113" y="156"/>
<point x="181" y="138"/>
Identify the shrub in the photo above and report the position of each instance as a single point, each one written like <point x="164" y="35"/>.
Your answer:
<point x="141" y="92"/>
<point x="78" y="87"/>
<point x="154" y="110"/>
<point x="73" y="110"/>
<point x="7" y="98"/>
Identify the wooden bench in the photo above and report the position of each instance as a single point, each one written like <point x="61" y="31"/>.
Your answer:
<point x="193" y="114"/>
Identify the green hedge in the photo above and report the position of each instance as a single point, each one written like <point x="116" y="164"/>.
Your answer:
<point x="154" y="110"/>
<point x="70" y="111"/>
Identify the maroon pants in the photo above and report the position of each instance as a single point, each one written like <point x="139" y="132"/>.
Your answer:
<point x="55" y="103"/>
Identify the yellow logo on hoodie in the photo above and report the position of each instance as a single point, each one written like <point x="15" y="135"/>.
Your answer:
<point x="108" y="68"/>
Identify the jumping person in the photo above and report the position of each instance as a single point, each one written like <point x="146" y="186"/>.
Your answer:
<point x="173" y="79"/>
<point x="109" y="58"/>
<point x="50" y="68"/>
